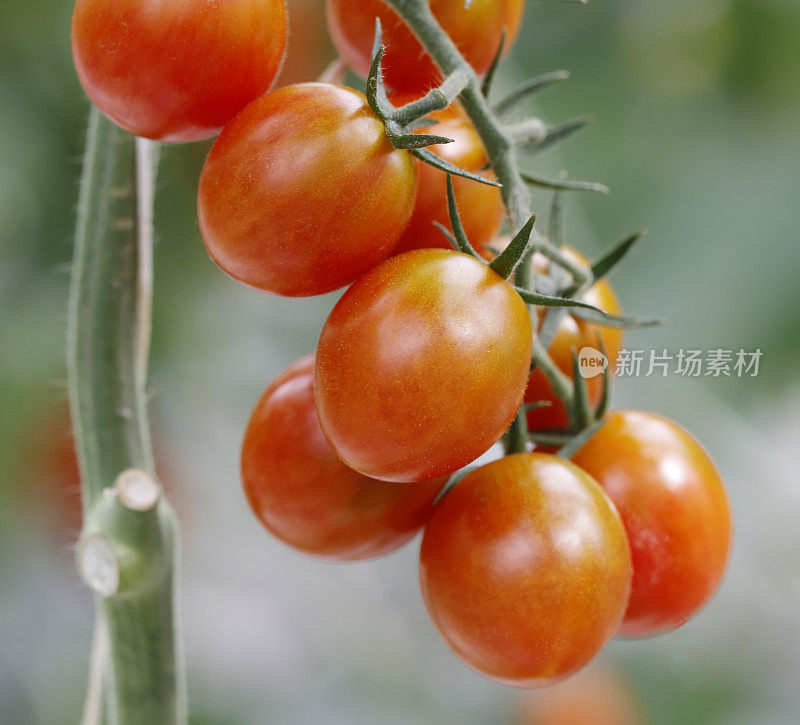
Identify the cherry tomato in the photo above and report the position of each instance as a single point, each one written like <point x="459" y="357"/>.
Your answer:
<point x="525" y="569"/>
<point x="421" y="365"/>
<point x="476" y="31"/>
<point x="574" y="334"/>
<point x="303" y="192"/>
<point x="177" y="70"/>
<point x="308" y="498"/>
<point x="675" y="510"/>
<point x="480" y="206"/>
<point x="596" y="695"/>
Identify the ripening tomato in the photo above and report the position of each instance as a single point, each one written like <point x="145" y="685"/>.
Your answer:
<point x="308" y="498"/>
<point x="177" y="70"/>
<point x="525" y="569"/>
<point x="480" y="206"/>
<point x="574" y="334"/>
<point x="303" y="192"/>
<point x="476" y="30"/>
<point x="675" y="510"/>
<point x="597" y="695"/>
<point x="421" y="365"/>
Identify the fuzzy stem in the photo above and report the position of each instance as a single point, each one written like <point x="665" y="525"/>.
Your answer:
<point x="128" y="555"/>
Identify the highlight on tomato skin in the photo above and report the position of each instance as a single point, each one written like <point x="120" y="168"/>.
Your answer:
<point x="306" y="497"/>
<point x="303" y="192"/>
<point x="421" y="365"/>
<point x="676" y="514"/>
<point x="480" y="206"/>
<point x="476" y="30"/>
<point x="525" y="569"/>
<point x="177" y="70"/>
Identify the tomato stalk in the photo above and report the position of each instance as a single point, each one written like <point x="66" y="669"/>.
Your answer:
<point x="128" y="548"/>
<point x="501" y="150"/>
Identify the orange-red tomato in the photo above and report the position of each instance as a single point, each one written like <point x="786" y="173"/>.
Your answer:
<point x="177" y="70"/>
<point x="574" y="334"/>
<point x="308" y="498"/>
<point x="596" y="695"/>
<point x="421" y="365"/>
<point x="525" y="569"/>
<point x="675" y="510"/>
<point x="303" y="192"/>
<point x="480" y="206"/>
<point x="407" y="67"/>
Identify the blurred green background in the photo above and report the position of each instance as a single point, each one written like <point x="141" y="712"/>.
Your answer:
<point x="698" y="135"/>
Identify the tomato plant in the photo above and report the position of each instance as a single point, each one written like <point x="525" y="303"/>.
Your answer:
<point x="177" y="70"/>
<point x="525" y="569"/>
<point x="303" y="192"/>
<point x="308" y="498"/>
<point x="480" y="206"/>
<point x="476" y="30"/>
<point x="421" y="365"/>
<point x="675" y="510"/>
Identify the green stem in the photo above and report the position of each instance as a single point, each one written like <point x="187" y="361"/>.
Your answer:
<point x="502" y="155"/>
<point x="128" y="550"/>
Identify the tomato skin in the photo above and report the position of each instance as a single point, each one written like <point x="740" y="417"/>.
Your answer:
<point x="406" y="66"/>
<point x="421" y="365"/>
<point x="303" y="192"/>
<point x="308" y="498"/>
<point x="177" y="70"/>
<point x="525" y="569"/>
<point x="574" y="334"/>
<point x="480" y="206"/>
<point x="675" y="510"/>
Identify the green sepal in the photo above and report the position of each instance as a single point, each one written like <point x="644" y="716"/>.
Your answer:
<point x="528" y="88"/>
<point x="564" y="184"/>
<point x="558" y="133"/>
<point x="431" y="158"/>
<point x="459" y="236"/>
<point x="488" y="79"/>
<point x="611" y="258"/>
<point x="516" y="251"/>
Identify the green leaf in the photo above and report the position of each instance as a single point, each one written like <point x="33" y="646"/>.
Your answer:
<point x="611" y="258"/>
<point x="528" y="88"/>
<point x="431" y="158"/>
<point x="516" y="251"/>
<point x="564" y="184"/>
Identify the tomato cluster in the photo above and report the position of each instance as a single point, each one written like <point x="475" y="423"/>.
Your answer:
<point x="528" y="564"/>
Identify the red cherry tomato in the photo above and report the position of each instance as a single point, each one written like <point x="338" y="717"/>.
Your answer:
<point x="525" y="569"/>
<point x="675" y="510"/>
<point x="480" y="206"/>
<point x="308" y="498"/>
<point x="177" y="70"/>
<point x="476" y="31"/>
<point x="574" y="334"/>
<point x="421" y="365"/>
<point x="303" y="192"/>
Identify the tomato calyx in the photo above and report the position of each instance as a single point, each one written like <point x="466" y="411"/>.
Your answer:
<point x="399" y="122"/>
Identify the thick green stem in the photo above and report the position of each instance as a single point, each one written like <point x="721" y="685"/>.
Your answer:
<point x="128" y="547"/>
